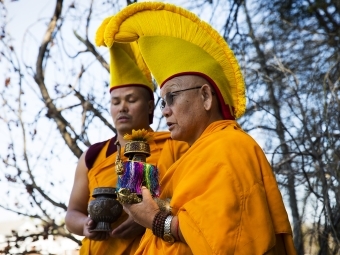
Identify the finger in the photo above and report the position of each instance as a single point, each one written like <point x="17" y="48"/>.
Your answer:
<point x="119" y="231"/>
<point x="122" y="233"/>
<point x="126" y="208"/>
<point x="126" y="225"/>
<point x="90" y="223"/>
<point x="146" y="193"/>
<point x="88" y="227"/>
<point x="130" y="231"/>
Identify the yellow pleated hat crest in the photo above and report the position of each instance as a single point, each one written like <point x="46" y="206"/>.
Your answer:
<point x="127" y="66"/>
<point x="173" y="42"/>
<point x="99" y="39"/>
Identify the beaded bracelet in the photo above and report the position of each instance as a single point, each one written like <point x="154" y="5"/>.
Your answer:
<point x="158" y="224"/>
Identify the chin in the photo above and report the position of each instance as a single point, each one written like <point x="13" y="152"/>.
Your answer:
<point x="176" y="136"/>
<point x="124" y="128"/>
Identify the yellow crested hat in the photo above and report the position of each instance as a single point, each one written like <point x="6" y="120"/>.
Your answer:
<point x="127" y="66"/>
<point x="174" y="42"/>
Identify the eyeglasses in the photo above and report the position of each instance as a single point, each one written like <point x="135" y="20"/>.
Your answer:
<point x="169" y="97"/>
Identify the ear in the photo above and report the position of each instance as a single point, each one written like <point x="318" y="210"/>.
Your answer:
<point x="151" y="106"/>
<point x="207" y="96"/>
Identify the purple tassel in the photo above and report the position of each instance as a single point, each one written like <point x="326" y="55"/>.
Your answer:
<point x="138" y="174"/>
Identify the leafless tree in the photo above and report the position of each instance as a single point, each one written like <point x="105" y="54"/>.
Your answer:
<point x="291" y="61"/>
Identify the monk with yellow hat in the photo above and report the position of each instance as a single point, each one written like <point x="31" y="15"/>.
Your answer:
<point x="132" y="106"/>
<point x="223" y="194"/>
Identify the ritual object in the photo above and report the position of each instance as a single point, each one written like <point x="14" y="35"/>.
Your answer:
<point x="104" y="209"/>
<point x="135" y="172"/>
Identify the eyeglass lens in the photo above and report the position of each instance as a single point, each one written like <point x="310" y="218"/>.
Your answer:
<point x="169" y="97"/>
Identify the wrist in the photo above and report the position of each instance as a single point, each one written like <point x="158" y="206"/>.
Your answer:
<point x="176" y="230"/>
<point x="162" y="226"/>
<point x="158" y="223"/>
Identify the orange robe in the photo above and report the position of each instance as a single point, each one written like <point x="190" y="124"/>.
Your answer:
<point x="226" y="198"/>
<point x="164" y="152"/>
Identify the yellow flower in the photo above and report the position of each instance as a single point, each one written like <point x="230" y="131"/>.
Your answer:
<point x="139" y="135"/>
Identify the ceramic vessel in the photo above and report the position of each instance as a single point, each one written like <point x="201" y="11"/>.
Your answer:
<point x="104" y="209"/>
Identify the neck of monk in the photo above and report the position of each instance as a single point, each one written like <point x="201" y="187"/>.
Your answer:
<point x="121" y="140"/>
<point x="121" y="133"/>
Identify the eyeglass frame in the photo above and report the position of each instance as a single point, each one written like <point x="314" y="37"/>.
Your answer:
<point x="165" y="101"/>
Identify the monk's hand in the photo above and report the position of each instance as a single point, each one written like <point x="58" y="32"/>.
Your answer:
<point x="93" y="235"/>
<point x="144" y="212"/>
<point x="128" y="229"/>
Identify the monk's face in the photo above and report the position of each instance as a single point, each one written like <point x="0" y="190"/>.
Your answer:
<point x="183" y="107"/>
<point x="130" y="108"/>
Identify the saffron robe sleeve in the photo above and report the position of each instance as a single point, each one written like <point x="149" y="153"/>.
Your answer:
<point x="226" y="198"/>
<point x="164" y="152"/>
